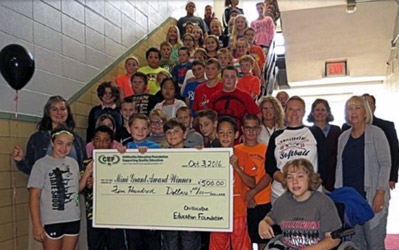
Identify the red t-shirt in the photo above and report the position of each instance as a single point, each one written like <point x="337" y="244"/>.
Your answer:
<point x="249" y="84"/>
<point x="202" y="95"/>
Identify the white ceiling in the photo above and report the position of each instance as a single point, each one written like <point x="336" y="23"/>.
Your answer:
<point x="316" y="31"/>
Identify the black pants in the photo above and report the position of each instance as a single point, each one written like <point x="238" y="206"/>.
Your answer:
<point x="99" y="238"/>
<point x="143" y="239"/>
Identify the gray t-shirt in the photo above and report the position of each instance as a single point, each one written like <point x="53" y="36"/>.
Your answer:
<point x="59" y="181"/>
<point x="193" y="139"/>
<point x="304" y="223"/>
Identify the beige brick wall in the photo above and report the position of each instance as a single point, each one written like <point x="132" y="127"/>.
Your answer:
<point x="14" y="216"/>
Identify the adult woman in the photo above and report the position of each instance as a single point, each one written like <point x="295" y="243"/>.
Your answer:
<point x="272" y="117"/>
<point x="56" y="112"/>
<point x="364" y="163"/>
<point x="321" y="115"/>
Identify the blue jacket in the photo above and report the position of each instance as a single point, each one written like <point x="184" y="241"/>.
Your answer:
<point x="37" y="146"/>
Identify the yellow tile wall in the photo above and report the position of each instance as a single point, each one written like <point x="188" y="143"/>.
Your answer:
<point x="14" y="217"/>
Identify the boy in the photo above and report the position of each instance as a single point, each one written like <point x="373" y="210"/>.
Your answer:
<point x="193" y="138"/>
<point x="98" y="238"/>
<point x="144" y="102"/>
<point x="127" y="110"/>
<point x="166" y="51"/>
<point x="263" y="27"/>
<point x="208" y="121"/>
<point x="153" y="56"/>
<point x="206" y="89"/>
<point x="243" y="178"/>
<point x="158" y="118"/>
<point x="299" y="207"/>
<point x="179" y="71"/>
<point x="254" y="50"/>
<point x="225" y="58"/>
<point x="108" y="94"/>
<point x="258" y="198"/>
<point x="198" y="69"/>
<point x="248" y="82"/>
<point x="175" y="133"/>
<point x="230" y="100"/>
<point x="139" y="128"/>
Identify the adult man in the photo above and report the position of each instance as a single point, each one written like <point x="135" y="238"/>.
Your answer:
<point x="282" y="97"/>
<point x="190" y="18"/>
<point x="294" y="142"/>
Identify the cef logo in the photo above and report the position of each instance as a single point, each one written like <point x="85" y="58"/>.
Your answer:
<point x="109" y="160"/>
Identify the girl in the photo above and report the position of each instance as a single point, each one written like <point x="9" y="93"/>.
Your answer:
<point x="212" y="46"/>
<point x="173" y="37"/>
<point x="216" y="29"/>
<point x="189" y="42"/>
<point x="198" y="37"/>
<point x="103" y="120"/>
<point x="54" y="194"/>
<point x="170" y="104"/>
<point x="231" y="5"/>
<point x="239" y="26"/>
<point x="123" y="81"/>
<point x="300" y="207"/>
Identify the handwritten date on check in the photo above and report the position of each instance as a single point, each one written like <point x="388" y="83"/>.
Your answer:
<point x="165" y="189"/>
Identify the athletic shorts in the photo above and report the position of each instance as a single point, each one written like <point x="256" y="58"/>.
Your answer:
<point x="255" y="215"/>
<point x="238" y="239"/>
<point x="58" y="230"/>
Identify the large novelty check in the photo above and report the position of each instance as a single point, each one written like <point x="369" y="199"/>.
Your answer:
<point x="171" y="189"/>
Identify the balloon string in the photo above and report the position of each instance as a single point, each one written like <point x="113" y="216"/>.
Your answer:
<point x="16" y="106"/>
<point x="14" y="178"/>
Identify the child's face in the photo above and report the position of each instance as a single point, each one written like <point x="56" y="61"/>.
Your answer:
<point x="168" y="90"/>
<point x="189" y="28"/>
<point x="153" y="60"/>
<point x="246" y="67"/>
<point x="175" y="137"/>
<point x="226" y="135"/>
<point x="298" y="183"/>
<point x="131" y="67"/>
<point x="188" y="41"/>
<point x="215" y="29"/>
<point x="138" y="85"/>
<point x="250" y="36"/>
<point x="211" y="44"/>
<point x="240" y="23"/>
<point x="199" y="56"/>
<point x="185" y="118"/>
<point x="172" y="34"/>
<point x="102" y="140"/>
<point x="260" y="8"/>
<point x="161" y="75"/>
<point x="229" y="79"/>
<point x="183" y="56"/>
<point x="251" y="130"/>
<point x="62" y="145"/>
<point x="166" y="51"/>
<point x="207" y="126"/>
<point x="156" y="125"/>
<point x="211" y="71"/>
<point x="198" y="71"/>
<point x="127" y="110"/>
<point x="242" y="48"/>
<point x="107" y="122"/>
<point x="108" y="97"/>
<point x="224" y="60"/>
<point x="139" y="130"/>
<point x="197" y="34"/>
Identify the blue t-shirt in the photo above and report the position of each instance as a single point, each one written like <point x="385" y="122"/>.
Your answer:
<point x="179" y="72"/>
<point x="147" y="143"/>
<point x="353" y="164"/>
<point x="189" y="92"/>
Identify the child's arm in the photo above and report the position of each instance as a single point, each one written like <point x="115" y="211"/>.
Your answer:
<point x="326" y="243"/>
<point x="247" y="179"/>
<point x="34" y="206"/>
<point x="265" y="229"/>
<point x="86" y="175"/>
<point x="262" y="184"/>
<point x="187" y="101"/>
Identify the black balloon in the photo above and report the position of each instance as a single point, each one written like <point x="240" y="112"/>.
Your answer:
<point x="16" y="65"/>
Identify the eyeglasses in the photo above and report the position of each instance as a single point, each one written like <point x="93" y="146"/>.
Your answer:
<point x="156" y="123"/>
<point x="249" y="128"/>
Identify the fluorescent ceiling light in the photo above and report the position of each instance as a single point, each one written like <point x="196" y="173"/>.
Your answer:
<point x="337" y="80"/>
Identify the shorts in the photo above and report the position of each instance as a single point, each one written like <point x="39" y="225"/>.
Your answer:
<point x="58" y="230"/>
<point x="255" y="215"/>
<point x="238" y="239"/>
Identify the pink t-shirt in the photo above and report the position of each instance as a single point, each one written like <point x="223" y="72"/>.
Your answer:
<point x="264" y="31"/>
